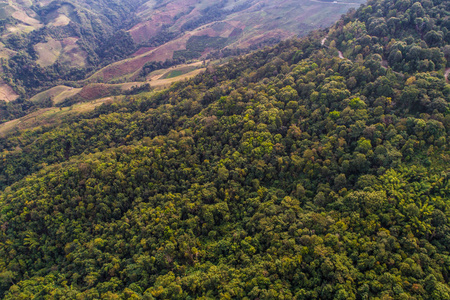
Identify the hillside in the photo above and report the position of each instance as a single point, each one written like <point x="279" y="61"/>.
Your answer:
<point x="44" y="44"/>
<point x="314" y="169"/>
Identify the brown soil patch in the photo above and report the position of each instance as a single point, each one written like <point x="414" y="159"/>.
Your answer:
<point x="129" y="85"/>
<point x="5" y="52"/>
<point x="23" y="17"/>
<point x="144" y="31"/>
<point x="7" y="93"/>
<point x="48" y="52"/>
<point x="96" y="90"/>
<point x="165" y="15"/>
<point x="70" y="41"/>
<point x="19" y="28"/>
<point x="194" y="14"/>
<point x="142" y="50"/>
<point x="61" y="20"/>
<point x="43" y="3"/>
<point x="130" y="66"/>
<point x="216" y="29"/>
<point x="164" y="83"/>
<point x="65" y="95"/>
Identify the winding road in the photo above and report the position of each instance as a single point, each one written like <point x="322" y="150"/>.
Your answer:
<point x="322" y="42"/>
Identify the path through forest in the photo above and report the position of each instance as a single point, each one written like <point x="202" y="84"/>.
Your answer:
<point x="322" y="42"/>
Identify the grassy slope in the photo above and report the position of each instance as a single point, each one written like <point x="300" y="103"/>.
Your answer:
<point x="57" y="93"/>
<point x="50" y="116"/>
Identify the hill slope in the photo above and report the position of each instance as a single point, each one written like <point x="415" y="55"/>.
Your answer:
<point x="45" y="44"/>
<point x="288" y="173"/>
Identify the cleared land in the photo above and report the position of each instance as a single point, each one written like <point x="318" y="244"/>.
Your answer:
<point x="6" y="10"/>
<point x="5" y="52"/>
<point x="158" y="82"/>
<point x="260" y="21"/>
<point x="26" y="19"/>
<point x="57" y="94"/>
<point x="178" y="72"/>
<point x="7" y="93"/>
<point x="61" y="20"/>
<point x="66" y="51"/>
<point x="159" y="78"/>
<point x="72" y="55"/>
<point x="95" y="95"/>
<point x="240" y="23"/>
<point x="132" y="65"/>
<point x="48" y="52"/>
<point x="48" y="116"/>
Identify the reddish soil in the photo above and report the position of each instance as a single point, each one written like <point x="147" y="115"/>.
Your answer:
<point x="142" y="51"/>
<point x="95" y="91"/>
<point x="7" y="93"/>
<point x="130" y="66"/>
<point x="144" y="31"/>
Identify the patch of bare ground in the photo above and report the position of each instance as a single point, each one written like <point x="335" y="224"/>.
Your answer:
<point x="48" y="52"/>
<point x="49" y="116"/>
<point x="26" y="19"/>
<point x="130" y="66"/>
<point x="60" y="20"/>
<point x="95" y="91"/>
<point x="7" y="93"/>
<point x="57" y="94"/>
<point x="157" y="82"/>
<point x="142" y="50"/>
<point x="157" y="18"/>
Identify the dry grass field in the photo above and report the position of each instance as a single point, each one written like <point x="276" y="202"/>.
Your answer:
<point x="52" y="115"/>
<point x="7" y="93"/>
<point x="57" y="94"/>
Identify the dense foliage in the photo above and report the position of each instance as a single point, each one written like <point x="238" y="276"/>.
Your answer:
<point x="289" y="173"/>
<point x="20" y="108"/>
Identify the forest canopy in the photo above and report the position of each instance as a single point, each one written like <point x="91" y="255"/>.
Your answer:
<point x="289" y="173"/>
